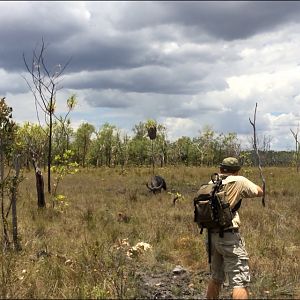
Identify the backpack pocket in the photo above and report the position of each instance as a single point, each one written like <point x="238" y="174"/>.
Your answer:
<point x="203" y="214"/>
<point x="225" y="215"/>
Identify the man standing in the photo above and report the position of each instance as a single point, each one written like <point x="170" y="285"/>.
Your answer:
<point x="228" y="254"/>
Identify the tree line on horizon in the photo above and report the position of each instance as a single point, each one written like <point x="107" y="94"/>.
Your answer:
<point x="108" y="147"/>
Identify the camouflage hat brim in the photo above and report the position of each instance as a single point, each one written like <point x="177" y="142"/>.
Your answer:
<point x="230" y="168"/>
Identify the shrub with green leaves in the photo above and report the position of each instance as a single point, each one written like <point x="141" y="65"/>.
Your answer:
<point x="63" y="165"/>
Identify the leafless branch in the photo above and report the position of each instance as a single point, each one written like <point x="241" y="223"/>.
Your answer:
<point x="44" y="86"/>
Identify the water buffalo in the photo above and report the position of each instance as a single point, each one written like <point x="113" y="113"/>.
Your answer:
<point x="156" y="184"/>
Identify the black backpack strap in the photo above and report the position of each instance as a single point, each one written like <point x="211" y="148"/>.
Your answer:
<point x="237" y="206"/>
<point x="221" y="232"/>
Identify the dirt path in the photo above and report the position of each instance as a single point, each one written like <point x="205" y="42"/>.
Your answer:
<point x="176" y="284"/>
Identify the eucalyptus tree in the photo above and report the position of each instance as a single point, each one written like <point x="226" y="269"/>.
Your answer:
<point x="162" y="144"/>
<point x="184" y="147"/>
<point x="103" y="148"/>
<point x="139" y="145"/>
<point x="6" y="142"/>
<point x="62" y="135"/>
<point x="107" y="137"/>
<point x="229" y="145"/>
<point x="207" y="146"/>
<point x="32" y="140"/>
<point x="96" y="153"/>
<point x="82" y="142"/>
<point x="9" y="157"/>
<point x="140" y="131"/>
<point x="122" y="148"/>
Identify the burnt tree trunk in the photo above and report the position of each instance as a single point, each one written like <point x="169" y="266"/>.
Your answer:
<point x="39" y="185"/>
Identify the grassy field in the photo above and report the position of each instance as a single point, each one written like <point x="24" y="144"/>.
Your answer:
<point x="85" y="250"/>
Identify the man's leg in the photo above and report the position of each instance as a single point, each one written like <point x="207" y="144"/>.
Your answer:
<point x="236" y="265"/>
<point x="217" y="270"/>
<point x="213" y="289"/>
<point x="240" y="293"/>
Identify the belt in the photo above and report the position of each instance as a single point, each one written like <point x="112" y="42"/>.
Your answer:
<point x="232" y="230"/>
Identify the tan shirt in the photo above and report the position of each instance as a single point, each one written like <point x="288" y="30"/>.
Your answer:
<point x="237" y="188"/>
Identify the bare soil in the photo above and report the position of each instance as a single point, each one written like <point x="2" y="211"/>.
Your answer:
<point x="171" y="285"/>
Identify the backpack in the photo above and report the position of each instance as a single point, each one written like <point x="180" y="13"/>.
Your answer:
<point x="211" y="210"/>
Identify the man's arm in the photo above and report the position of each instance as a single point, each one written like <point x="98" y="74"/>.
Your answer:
<point x="250" y="189"/>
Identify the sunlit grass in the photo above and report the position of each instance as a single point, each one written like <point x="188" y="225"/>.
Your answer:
<point x="73" y="255"/>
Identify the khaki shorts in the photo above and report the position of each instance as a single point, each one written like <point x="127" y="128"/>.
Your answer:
<point x="229" y="259"/>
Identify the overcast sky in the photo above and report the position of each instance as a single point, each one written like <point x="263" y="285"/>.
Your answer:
<point x="184" y="64"/>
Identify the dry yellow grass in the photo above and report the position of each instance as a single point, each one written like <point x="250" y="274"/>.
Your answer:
<point x="75" y="254"/>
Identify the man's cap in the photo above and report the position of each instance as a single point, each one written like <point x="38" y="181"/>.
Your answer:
<point x="230" y="164"/>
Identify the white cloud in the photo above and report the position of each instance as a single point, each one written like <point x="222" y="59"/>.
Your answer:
<point x="178" y="127"/>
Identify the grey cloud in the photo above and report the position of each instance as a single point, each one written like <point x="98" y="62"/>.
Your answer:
<point x="24" y="24"/>
<point x="11" y="82"/>
<point x="237" y="19"/>
<point x="107" y="99"/>
<point x="228" y="20"/>
<point x="96" y="52"/>
<point x="150" y="105"/>
<point x="153" y="79"/>
<point x="78" y="30"/>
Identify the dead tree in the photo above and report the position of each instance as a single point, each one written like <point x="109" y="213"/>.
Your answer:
<point x="295" y="135"/>
<point x="44" y="85"/>
<point x="257" y="154"/>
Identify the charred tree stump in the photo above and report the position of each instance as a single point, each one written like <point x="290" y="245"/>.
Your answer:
<point x="39" y="185"/>
<point x="40" y="188"/>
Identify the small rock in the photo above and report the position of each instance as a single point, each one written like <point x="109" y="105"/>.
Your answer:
<point x="69" y="262"/>
<point x="32" y="257"/>
<point x="179" y="270"/>
<point x="42" y="254"/>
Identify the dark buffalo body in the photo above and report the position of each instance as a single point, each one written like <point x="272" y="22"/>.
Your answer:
<point x="156" y="184"/>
